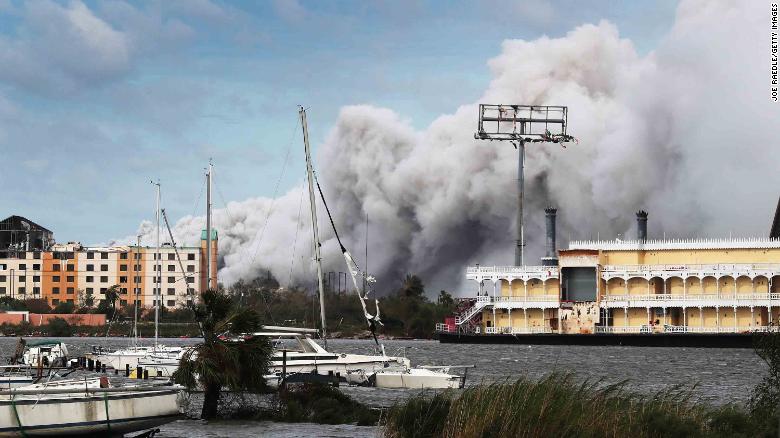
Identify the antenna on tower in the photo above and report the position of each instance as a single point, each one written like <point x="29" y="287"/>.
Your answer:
<point x="521" y="124"/>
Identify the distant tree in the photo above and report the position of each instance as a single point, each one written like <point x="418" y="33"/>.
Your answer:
<point x="107" y="306"/>
<point x="59" y="327"/>
<point x="445" y="299"/>
<point x="412" y="287"/>
<point x="225" y="359"/>
<point x="148" y="314"/>
<point x="37" y="305"/>
<point x="64" y="307"/>
<point x="8" y="303"/>
<point x="183" y="314"/>
<point x="128" y="311"/>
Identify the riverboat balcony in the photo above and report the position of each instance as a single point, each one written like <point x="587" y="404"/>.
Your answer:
<point x="516" y="330"/>
<point x="508" y="302"/>
<point x="509" y="273"/>
<point x="686" y="329"/>
<point x="697" y="271"/>
<point x="448" y="328"/>
<point x="756" y="299"/>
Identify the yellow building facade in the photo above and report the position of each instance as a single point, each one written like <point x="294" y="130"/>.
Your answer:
<point x="650" y="286"/>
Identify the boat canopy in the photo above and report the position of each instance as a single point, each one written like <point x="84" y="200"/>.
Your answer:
<point x="42" y="342"/>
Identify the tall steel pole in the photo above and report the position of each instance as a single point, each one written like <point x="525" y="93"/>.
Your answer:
<point x="520" y="194"/>
<point x="519" y="124"/>
<point x="313" y="204"/>
<point x="208" y="227"/>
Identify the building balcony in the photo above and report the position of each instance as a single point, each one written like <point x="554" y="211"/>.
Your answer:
<point x="756" y="299"/>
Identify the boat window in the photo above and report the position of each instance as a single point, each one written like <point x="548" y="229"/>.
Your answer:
<point x="287" y="344"/>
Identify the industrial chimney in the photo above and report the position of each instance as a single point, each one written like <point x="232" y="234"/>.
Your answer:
<point x="551" y="256"/>
<point x="641" y="226"/>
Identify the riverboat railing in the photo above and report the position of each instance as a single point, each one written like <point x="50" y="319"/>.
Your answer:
<point x="517" y="330"/>
<point x="487" y="271"/>
<point x="692" y="297"/>
<point x="696" y="267"/>
<point x="686" y="329"/>
<point x="520" y="298"/>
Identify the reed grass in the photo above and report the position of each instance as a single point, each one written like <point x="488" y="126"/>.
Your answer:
<point x="560" y="406"/>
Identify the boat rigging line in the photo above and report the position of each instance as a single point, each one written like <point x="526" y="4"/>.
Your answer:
<point x="176" y="251"/>
<point x="295" y="241"/>
<point x="273" y="198"/>
<point x="354" y="270"/>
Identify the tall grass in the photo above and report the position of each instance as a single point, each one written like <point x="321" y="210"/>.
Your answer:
<point x="560" y="406"/>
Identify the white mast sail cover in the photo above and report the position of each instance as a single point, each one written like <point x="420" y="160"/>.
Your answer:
<point x="355" y="272"/>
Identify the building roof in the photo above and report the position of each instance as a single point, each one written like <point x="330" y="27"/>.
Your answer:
<point x="14" y="222"/>
<point x="661" y="244"/>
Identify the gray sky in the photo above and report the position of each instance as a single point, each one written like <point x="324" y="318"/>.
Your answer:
<point x="96" y="98"/>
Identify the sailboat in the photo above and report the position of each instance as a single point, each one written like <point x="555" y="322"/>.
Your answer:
<point x="85" y="407"/>
<point x="408" y="377"/>
<point x="163" y="361"/>
<point x="307" y="356"/>
<point x="297" y="351"/>
<point x="131" y="356"/>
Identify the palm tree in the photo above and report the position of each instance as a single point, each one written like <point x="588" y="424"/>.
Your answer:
<point x="226" y="358"/>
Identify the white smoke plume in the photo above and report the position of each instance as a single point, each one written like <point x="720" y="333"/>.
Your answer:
<point x="685" y="132"/>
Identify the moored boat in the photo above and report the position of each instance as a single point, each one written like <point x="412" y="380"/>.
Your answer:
<point x="418" y="378"/>
<point x="79" y="407"/>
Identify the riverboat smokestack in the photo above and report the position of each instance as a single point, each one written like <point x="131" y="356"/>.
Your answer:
<point x="551" y="256"/>
<point x="641" y="226"/>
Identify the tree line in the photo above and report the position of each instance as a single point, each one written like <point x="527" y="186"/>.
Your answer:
<point x="405" y="312"/>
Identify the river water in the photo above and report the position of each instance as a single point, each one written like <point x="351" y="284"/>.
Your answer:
<point x="720" y="375"/>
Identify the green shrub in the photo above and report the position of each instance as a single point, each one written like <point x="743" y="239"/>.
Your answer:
<point x="58" y="327"/>
<point x="323" y="404"/>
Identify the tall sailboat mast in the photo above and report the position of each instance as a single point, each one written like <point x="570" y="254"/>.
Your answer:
<point x="136" y="272"/>
<point x="313" y="204"/>
<point x="208" y="227"/>
<point x="157" y="269"/>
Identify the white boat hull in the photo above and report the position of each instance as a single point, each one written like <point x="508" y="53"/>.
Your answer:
<point x="120" y="359"/>
<point x="110" y="413"/>
<point x="353" y="368"/>
<point x="14" y="381"/>
<point x="416" y="379"/>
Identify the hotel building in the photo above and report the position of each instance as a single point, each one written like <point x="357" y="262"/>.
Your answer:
<point x="72" y="272"/>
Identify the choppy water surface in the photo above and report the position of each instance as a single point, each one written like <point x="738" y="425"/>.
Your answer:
<point x="721" y="375"/>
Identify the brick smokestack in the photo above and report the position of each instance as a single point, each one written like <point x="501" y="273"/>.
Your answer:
<point x="641" y="226"/>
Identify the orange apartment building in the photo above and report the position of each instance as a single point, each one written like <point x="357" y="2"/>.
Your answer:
<point x="71" y="272"/>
